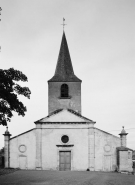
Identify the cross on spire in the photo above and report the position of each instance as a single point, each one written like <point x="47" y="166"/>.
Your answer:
<point x="63" y="24"/>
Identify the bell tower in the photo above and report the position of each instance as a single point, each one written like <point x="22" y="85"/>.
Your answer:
<point x="64" y="88"/>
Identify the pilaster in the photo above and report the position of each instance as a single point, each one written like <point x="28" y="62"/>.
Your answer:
<point x="38" y="147"/>
<point x="6" y="148"/>
<point x="123" y="138"/>
<point x="91" y="149"/>
<point x="124" y="154"/>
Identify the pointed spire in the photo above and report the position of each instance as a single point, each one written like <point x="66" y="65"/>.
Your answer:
<point x="64" y="69"/>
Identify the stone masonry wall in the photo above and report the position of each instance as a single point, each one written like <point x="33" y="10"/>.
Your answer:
<point x="56" y="102"/>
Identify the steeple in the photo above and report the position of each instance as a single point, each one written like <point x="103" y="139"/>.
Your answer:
<point x="64" y="88"/>
<point x="64" y="70"/>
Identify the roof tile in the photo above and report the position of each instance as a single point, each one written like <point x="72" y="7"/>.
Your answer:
<point x="64" y="69"/>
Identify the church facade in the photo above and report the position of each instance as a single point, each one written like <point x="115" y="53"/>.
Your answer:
<point x="65" y="139"/>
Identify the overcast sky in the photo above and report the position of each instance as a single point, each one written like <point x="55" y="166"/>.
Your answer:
<point x="101" y="40"/>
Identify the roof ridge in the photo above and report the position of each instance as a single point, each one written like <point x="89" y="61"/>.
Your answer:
<point x="22" y="133"/>
<point x="52" y="113"/>
<point x="69" y="110"/>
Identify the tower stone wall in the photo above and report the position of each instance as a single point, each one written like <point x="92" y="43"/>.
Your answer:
<point x="55" y="101"/>
<point x="64" y="75"/>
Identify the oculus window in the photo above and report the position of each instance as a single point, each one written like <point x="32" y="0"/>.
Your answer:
<point x="65" y="139"/>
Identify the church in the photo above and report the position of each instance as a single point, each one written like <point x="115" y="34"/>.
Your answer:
<point x="65" y="139"/>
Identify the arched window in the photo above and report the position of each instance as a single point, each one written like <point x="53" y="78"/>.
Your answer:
<point x="64" y="90"/>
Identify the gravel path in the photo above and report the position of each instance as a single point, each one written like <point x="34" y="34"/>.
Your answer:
<point x="33" y="177"/>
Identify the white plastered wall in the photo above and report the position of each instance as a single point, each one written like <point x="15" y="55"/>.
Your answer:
<point x="104" y="146"/>
<point x="105" y="149"/>
<point x="23" y="145"/>
<point x="78" y="137"/>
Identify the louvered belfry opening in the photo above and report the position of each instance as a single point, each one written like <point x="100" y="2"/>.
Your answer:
<point x="64" y="91"/>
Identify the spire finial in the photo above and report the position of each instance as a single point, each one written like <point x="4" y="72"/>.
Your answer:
<point x="63" y="23"/>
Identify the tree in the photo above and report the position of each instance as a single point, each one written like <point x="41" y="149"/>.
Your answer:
<point x="9" y="91"/>
<point x="2" y="151"/>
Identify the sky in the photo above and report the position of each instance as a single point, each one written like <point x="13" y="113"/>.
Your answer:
<point x="101" y="41"/>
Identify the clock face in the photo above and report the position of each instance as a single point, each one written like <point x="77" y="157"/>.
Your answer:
<point x="107" y="148"/>
<point x="22" y="148"/>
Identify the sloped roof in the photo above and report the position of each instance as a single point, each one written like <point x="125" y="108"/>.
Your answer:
<point x="105" y="132"/>
<point x="64" y="70"/>
<point x="65" y="116"/>
<point x="133" y="157"/>
<point x="76" y="113"/>
<point x="122" y="148"/>
<point x="22" y="133"/>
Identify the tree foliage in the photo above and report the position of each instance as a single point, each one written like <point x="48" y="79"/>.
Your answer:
<point x="9" y="91"/>
<point x="2" y="151"/>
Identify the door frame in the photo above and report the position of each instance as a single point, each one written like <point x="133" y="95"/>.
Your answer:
<point x="110" y="161"/>
<point x="65" y="156"/>
<point x="24" y="156"/>
<point x="68" y="149"/>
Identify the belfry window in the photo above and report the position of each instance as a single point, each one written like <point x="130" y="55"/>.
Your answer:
<point x="64" y="90"/>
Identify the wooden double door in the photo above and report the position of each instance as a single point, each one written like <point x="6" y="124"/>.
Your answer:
<point x="65" y="160"/>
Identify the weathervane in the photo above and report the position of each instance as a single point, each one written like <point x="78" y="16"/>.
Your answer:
<point x="63" y="24"/>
